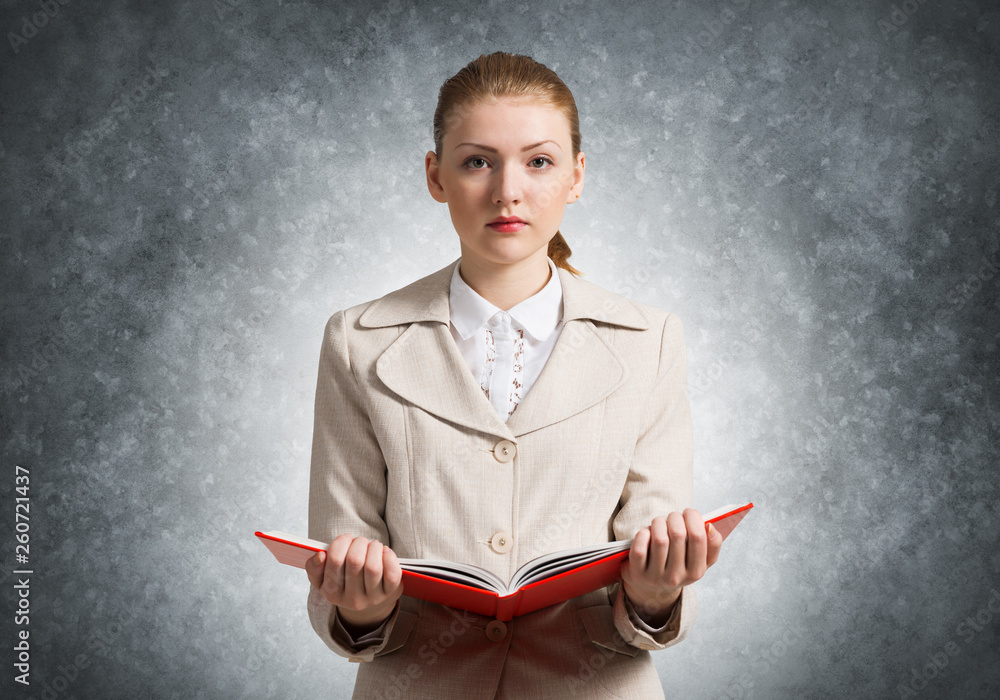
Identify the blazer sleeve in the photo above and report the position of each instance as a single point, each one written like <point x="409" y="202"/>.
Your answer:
<point x="660" y="480"/>
<point x="347" y="490"/>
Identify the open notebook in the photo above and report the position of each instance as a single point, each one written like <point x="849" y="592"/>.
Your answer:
<point x="543" y="581"/>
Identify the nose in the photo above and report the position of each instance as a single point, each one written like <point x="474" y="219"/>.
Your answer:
<point x="508" y="186"/>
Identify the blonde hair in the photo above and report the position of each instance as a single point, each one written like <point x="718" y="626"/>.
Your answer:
<point x="499" y="75"/>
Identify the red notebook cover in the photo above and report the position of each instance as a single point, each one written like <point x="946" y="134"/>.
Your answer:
<point x="576" y="572"/>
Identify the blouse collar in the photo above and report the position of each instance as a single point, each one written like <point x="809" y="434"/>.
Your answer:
<point x="539" y="314"/>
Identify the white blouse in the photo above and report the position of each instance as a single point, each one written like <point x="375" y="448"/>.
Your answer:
<point x="505" y="351"/>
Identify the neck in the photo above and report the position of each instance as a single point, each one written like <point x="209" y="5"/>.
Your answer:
<point x="506" y="285"/>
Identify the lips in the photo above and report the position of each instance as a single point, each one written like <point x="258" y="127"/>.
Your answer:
<point x="507" y="224"/>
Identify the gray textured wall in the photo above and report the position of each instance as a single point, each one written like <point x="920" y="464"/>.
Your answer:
<point x="190" y="189"/>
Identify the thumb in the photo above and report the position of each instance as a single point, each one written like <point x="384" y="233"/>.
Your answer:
<point x="713" y="534"/>
<point x="317" y="559"/>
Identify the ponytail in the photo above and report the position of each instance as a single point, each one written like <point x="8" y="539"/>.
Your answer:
<point x="559" y="251"/>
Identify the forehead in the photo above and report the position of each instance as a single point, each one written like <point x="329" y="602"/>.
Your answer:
<point x="508" y="119"/>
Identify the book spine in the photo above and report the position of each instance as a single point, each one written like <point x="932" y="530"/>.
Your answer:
<point x="507" y="607"/>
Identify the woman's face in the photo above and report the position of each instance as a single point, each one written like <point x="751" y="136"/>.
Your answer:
<point x="506" y="158"/>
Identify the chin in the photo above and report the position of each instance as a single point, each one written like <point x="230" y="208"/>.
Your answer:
<point x="503" y="250"/>
<point x="508" y="260"/>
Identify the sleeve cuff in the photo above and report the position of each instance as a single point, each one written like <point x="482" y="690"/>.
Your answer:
<point x="365" y="640"/>
<point x="642" y="624"/>
<point x="386" y="638"/>
<point x="637" y="633"/>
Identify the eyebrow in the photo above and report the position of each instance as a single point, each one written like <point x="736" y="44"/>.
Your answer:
<point x="493" y="150"/>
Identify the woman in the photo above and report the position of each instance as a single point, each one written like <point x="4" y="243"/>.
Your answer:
<point x="497" y="410"/>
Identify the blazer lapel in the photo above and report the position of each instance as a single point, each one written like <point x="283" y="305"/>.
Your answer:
<point x="424" y="366"/>
<point x="581" y="371"/>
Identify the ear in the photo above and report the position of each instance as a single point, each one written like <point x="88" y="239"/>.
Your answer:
<point x="434" y="177"/>
<point x="577" y="187"/>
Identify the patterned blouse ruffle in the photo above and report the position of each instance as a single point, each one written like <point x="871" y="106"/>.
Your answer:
<point x="487" y="373"/>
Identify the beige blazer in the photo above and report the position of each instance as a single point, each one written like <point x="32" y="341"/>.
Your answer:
<point x="408" y="450"/>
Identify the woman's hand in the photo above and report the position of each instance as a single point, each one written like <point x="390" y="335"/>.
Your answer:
<point x="361" y="577"/>
<point x="671" y="553"/>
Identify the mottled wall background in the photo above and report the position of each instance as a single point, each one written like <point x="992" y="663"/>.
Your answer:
<point x="190" y="189"/>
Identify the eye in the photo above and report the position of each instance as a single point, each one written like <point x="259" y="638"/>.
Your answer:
<point x="475" y="159"/>
<point x="543" y="159"/>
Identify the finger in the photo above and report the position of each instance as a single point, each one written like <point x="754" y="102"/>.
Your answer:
<point x="392" y="572"/>
<point x="675" y="571"/>
<point x="714" y="545"/>
<point x="697" y="544"/>
<point x="638" y="552"/>
<point x="314" y="569"/>
<point x="354" y="578"/>
<point x="373" y="569"/>
<point x="659" y="547"/>
<point x="333" y="574"/>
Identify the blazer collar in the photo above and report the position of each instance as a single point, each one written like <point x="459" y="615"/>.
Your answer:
<point x="424" y="366"/>
<point x="427" y="300"/>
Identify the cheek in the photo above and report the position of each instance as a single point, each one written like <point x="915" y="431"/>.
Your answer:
<point x="553" y="189"/>
<point x="471" y="190"/>
<point x="551" y="198"/>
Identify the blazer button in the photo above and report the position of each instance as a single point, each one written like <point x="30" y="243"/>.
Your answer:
<point x="504" y="451"/>
<point x="502" y="542"/>
<point x="496" y="631"/>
